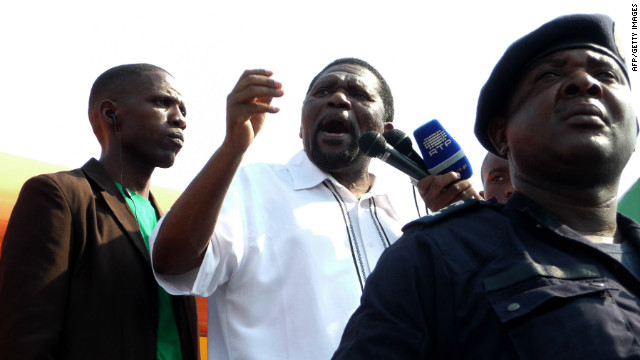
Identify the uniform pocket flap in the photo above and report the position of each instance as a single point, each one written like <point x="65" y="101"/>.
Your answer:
<point x="520" y="273"/>
<point x="544" y="293"/>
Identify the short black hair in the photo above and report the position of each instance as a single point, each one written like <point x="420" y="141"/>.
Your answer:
<point x="385" y="91"/>
<point x="114" y="77"/>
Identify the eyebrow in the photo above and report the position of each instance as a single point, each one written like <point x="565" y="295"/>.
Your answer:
<point x="174" y="96"/>
<point x="599" y="59"/>
<point x="498" y="169"/>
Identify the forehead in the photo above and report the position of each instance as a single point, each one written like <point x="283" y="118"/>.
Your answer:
<point x="582" y="56"/>
<point x="155" y="81"/>
<point x="351" y="73"/>
<point x="493" y="162"/>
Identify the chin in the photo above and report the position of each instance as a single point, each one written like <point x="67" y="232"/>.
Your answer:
<point x="333" y="159"/>
<point x="340" y="161"/>
<point x="166" y="162"/>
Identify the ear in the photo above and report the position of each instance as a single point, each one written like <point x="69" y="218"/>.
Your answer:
<point x="388" y="126"/>
<point x="497" y="132"/>
<point x="300" y="133"/>
<point x="106" y="109"/>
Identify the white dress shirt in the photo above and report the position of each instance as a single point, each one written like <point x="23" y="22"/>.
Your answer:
<point x="285" y="267"/>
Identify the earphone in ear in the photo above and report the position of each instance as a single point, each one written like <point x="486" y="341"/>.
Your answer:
<point x="115" y="120"/>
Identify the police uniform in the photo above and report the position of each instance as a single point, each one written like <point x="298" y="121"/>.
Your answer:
<point x="482" y="280"/>
<point x="492" y="281"/>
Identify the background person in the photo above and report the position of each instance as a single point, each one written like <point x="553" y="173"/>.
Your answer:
<point x="496" y="179"/>
<point x="75" y="272"/>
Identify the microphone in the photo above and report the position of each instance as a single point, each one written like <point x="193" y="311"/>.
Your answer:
<point x="440" y="152"/>
<point x="401" y="142"/>
<point x="373" y="144"/>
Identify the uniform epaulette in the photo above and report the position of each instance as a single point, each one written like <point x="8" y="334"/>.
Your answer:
<point x="456" y="208"/>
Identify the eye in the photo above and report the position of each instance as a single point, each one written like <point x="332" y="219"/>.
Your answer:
<point x="497" y="178"/>
<point x="360" y="95"/>
<point x="607" y="76"/>
<point x="547" y="74"/>
<point x="321" y="92"/>
<point x="164" y="102"/>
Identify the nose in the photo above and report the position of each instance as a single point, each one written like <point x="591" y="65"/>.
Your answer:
<point x="582" y="84"/>
<point x="339" y="100"/>
<point x="177" y="119"/>
<point x="508" y="192"/>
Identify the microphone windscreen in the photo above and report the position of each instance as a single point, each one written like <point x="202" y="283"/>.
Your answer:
<point x="372" y="144"/>
<point x="441" y="153"/>
<point x="399" y="140"/>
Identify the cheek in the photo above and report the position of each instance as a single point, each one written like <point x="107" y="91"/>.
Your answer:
<point x="531" y="121"/>
<point x="621" y="107"/>
<point x="307" y="118"/>
<point x="371" y="119"/>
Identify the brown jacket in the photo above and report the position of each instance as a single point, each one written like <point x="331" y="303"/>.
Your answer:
<point x="75" y="275"/>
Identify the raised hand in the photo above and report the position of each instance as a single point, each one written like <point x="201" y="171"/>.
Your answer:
<point x="247" y="106"/>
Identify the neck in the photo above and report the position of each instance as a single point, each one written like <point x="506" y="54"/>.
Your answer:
<point x="358" y="184"/>
<point x="589" y="211"/>
<point x="133" y="176"/>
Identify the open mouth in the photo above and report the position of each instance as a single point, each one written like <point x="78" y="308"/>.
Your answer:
<point x="336" y="126"/>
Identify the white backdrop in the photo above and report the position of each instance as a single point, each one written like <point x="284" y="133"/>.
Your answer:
<point x="435" y="56"/>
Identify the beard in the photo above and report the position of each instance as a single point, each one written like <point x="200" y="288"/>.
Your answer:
<point x="335" y="160"/>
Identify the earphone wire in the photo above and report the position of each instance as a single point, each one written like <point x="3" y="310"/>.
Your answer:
<point x="124" y="189"/>
<point x="415" y="200"/>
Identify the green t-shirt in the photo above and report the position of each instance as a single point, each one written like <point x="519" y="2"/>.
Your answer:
<point x="168" y="339"/>
<point x="629" y="205"/>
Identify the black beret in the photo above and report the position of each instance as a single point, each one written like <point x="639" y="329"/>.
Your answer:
<point x="594" y="32"/>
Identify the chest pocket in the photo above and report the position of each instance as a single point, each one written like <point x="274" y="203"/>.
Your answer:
<point x="561" y="313"/>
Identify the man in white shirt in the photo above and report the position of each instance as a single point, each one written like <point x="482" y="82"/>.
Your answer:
<point x="283" y="251"/>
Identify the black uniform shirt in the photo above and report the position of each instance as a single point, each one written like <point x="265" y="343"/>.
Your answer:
<point x="482" y="280"/>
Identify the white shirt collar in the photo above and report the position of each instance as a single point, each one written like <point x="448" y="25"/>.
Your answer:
<point x="307" y="175"/>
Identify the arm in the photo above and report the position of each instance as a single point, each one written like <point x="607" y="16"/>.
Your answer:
<point x="440" y="191"/>
<point x="34" y="268"/>
<point x="183" y="236"/>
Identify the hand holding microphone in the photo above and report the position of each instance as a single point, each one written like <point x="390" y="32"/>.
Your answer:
<point x="437" y="191"/>
<point x="441" y="153"/>
<point x="443" y="156"/>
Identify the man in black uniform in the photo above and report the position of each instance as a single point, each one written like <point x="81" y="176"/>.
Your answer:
<point x="552" y="274"/>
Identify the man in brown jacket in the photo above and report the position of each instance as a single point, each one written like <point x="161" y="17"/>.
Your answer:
<point x="75" y="271"/>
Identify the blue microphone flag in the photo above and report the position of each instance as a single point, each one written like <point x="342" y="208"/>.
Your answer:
<point x="441" y="153"/>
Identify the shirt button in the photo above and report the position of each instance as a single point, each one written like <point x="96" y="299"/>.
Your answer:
<point x="513" y="307"/>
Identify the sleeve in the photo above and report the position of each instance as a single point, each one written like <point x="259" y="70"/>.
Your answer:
<point x="34" y="277"/>
<point x="223" y="253"/>
<point x="391" y="322"/>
